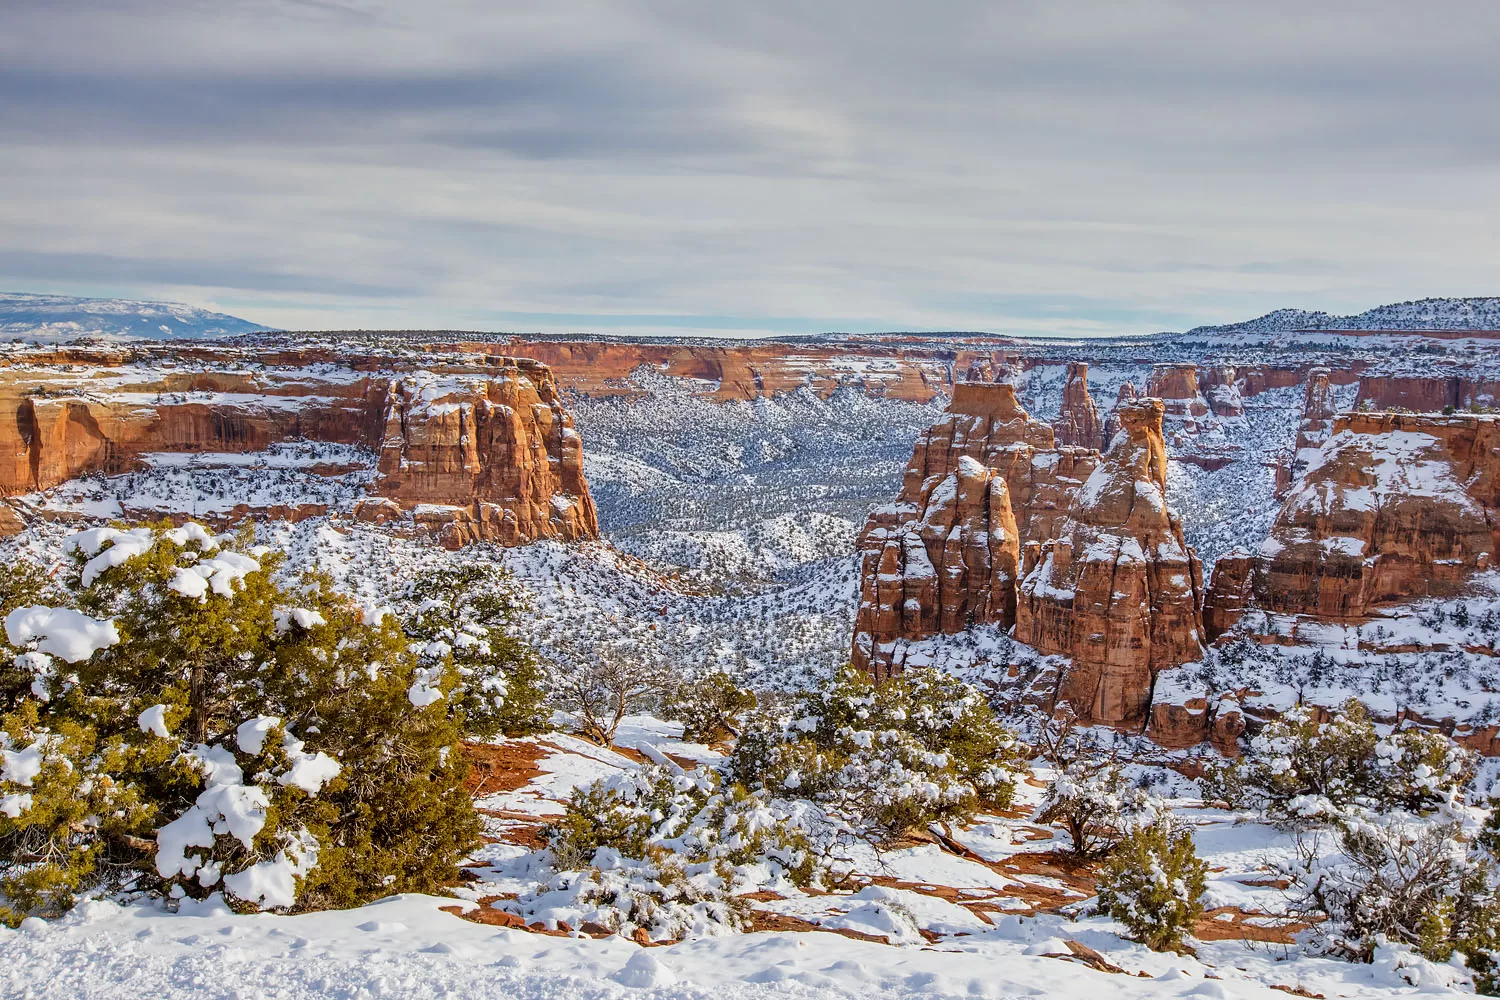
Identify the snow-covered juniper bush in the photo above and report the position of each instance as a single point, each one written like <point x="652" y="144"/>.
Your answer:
<point x="919" y="747"/>
<point x="188" y="725"/>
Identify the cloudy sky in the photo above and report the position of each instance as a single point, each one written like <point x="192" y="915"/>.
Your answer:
<point x="1072" y="166"/>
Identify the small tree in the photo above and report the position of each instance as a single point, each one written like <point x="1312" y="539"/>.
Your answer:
<point x="919" y="747"/>
<point x="1395" y="877"/>
<point x="1096" y="804"/>
<point x="1153" y="883"/>
<point x="710" y="707"/>
<point x="196" y="726"/>
<point x="602" y="691"/>
<point x="464" y="618"/>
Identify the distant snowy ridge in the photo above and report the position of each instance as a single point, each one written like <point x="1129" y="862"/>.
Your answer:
<point x="61" y="317"/>
<point x="1478" y="313"/>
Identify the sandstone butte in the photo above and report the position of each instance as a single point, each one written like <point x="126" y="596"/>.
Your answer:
<point x="1390" y="507"/>
<point x="1117" y="589"/>
<point x="1078" y="421"/>
<point x="488" y="454"/>
<point x="990" y="514"/>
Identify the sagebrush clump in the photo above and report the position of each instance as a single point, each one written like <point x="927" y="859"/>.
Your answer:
<point x="1301" y="771"/>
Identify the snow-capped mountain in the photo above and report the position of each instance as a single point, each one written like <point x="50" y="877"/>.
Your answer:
<point x="65" y="317"/>
<point x="1471" y="313"/>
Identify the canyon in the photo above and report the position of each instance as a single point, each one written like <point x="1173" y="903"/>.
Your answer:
<point x="1289" y="475"/>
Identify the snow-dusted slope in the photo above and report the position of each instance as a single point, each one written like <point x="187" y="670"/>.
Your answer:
<point x="1473" y="313"/>
<point x="63" y="317"/>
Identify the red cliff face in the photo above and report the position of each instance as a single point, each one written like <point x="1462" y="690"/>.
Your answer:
<point x="1392" y="506"/>
<point x="1221" y="388"/>
<point x="1426" y="393"/>
<point x="1106" y="578"/>
<point x="1078" y="421"/>
<point x="736" y="371"/>
<point x="1185" y="412"/>
<point x="500" y="443"/>
<point x="1118" y="589"/>
<point x="495" y="444"/>
<point x="945" y="554"/>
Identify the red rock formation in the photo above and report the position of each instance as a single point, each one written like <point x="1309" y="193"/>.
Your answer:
<point x="1176" y="385"/>
<point x="495" y="443"/>
<point x="10" y="522"/>
<point x="1118" y="590"/>
<point x="1393" y="506"/>
<point x="945" y="562"/>
<point x="1426" y="393"/>
<point x="1222" y="391"/>
<point x="1127" y="394"/>
<point x="945" y="554"/>
<point x="1317" y="423"/>
<point x="1078" y="421"/>
<point x="1229" y="592"/>
<point x="736" y="371"/>
<point x="501" y="442"/>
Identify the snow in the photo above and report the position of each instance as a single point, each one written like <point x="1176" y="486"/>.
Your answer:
<point x="62" y="632"/>
<point x="225" y="806"/>
<point x="219" y="574"/>
<point x="154" y="720"/>
<point x="21" y="767"/>
<point x="123" y="546"/>
<point x="424" y="690"/>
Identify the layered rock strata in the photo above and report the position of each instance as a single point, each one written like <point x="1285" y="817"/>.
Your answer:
<point x="1428" y="393"/>
<point x="1392" y="506"/>
<point x="502" y="445"/>
<point x="495" y="443"/>
<point x="1185" y="411"/>
<point x="945" y="554"/>
<point x="1105" y="577"/>
<point x="1118" y="590"/>
<point x="1078" y="421"/>
<point x="1127" y="394"/>
<point x="1220" y="386"/>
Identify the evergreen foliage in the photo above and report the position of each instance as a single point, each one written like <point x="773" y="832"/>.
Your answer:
<point x="190" y="725"/>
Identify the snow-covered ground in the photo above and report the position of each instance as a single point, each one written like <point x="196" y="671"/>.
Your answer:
<point x="996" y="914"/>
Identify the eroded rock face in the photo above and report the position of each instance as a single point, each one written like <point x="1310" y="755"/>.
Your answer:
<point x="1185" y="411"/>
<point x="1221" y="388"/>
<point x="1392" y="506"/>
<point x="1118" y="589"/>
<point x="1427" y="393"/>
<point x="945" y="554"/>
<point x="1107" y="579"/>
<point x="1127" y="394"/>
<point x="940" y="563"/>
<point x="1078" y="421"/>
<point x="501" y="444"/>
<point x="49" y="434"/>
<point x="494" y="444"/>
<point x="1312" y="433"/>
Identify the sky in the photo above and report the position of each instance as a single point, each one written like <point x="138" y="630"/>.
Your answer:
<point x="1071" y="167"/>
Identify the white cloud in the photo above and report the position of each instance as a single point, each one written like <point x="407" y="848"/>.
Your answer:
<point x="1083" y="167"/>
